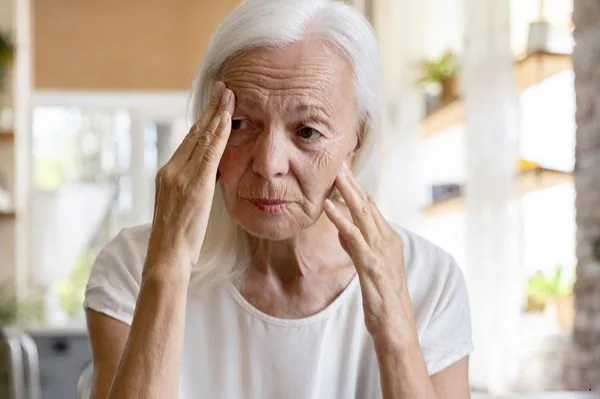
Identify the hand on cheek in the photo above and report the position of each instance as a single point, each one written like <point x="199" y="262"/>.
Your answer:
<point x="378" y="255"/>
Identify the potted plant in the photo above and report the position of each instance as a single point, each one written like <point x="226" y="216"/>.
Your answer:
<point x="14" y="312"/>
<point x="442" y="73"/>
<point x="553" y="293"/>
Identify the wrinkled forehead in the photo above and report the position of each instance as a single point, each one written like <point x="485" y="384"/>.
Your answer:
<point x="302" y="75"/>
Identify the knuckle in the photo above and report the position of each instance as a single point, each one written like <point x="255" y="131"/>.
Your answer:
<point x="222" y="107"/>
<point x="195" y="129"/>
<point x="354" y="233"/>
<point x="365" y="208"/>
<point x="211" y="128"/>
<point x="214" y="102"/>
<point x="180" y="181"/>
<point x="163" y="175"/>
<point x="373" y="260"/>
<point x="373" y="270"/>
<point x="212" y="152"/>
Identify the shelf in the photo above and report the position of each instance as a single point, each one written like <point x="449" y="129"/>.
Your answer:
<point x="528" y="181"/>
<point x="7" y="137"/>
<point x="7" y="215"/>
<point x="530" y="71"/>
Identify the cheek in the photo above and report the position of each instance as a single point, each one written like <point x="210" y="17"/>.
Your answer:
<point x="232" y="165"/>
<point x="328" y="161"/>
<point x="318" y="172"/>
<point x="323" y="162"/>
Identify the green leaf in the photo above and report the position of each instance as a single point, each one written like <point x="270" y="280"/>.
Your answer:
<point x="436" y="71"/>
<point x="542" y="288"/>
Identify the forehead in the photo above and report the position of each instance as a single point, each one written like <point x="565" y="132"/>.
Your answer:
<point x="302" y="74"/>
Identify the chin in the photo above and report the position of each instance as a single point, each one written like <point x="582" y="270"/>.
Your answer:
<point x="268" y="229"/>
<point x="274" y="226"/>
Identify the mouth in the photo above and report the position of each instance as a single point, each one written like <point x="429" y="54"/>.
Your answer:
<point x="270" y="205"/>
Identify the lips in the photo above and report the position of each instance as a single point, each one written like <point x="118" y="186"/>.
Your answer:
<point x="269" y="202"/>
<point x="270" y="205"/>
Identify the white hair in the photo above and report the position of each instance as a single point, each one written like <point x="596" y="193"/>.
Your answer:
<point x="256" y="23"/>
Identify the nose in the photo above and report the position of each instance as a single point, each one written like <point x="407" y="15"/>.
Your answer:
<point x="270" y="155"/>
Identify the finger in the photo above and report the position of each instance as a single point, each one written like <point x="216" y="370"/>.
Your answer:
<point x="354" y="242"/>
<point x="377" y="216"/>
<point x="207" y="156"/>
<point x="358" y="202"/>
<point x="214" y="131"/>
<point x="343" y="242"/>
<point x="212" y="108"/>
<point x="184" y="150"/>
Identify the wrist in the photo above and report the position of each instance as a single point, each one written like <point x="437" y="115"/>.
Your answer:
<point x="164" y="269"/>
<point x="396" y="339"/>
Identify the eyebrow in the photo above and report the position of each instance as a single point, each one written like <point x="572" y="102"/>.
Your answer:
<point x="322" y="113"/>
<point x="313" y="108"/>
<point x="310" y="107"/>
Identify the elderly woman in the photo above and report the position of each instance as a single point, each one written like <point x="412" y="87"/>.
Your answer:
<point x="268" y="272"/>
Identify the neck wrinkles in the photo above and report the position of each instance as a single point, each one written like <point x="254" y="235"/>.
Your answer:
<point x="314" y="251"/>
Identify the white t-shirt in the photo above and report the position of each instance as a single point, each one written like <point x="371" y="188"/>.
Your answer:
<point x="234" y="351"/>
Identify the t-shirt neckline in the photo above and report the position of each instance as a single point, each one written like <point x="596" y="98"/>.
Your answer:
<point x="276" y="321"/>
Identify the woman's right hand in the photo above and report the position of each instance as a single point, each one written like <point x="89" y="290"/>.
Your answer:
<point x="185" y="186"/>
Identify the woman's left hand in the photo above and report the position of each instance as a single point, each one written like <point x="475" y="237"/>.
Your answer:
<point x="378" y="255"/>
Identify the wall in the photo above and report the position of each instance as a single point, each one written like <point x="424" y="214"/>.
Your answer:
<point x="122" y="45"/>
<point x="583" y="366"/>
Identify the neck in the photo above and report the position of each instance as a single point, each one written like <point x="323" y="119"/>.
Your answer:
<point x="314" y="251"/>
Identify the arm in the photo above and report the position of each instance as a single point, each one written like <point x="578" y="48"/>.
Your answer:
<point x="402" y="367"/>
<point x="378" y="255"/>
<point x="133" y="359"/>
<point x="108" y="337"/>
<point x="149" y="366"/>
<point x="145" y="361"/>
<point x="404" y="374"/>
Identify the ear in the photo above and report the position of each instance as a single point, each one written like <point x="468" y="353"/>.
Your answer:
<point x="360" y="134"/>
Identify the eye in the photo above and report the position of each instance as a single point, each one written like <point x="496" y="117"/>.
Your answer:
<point x="308" y="133"/>
<point x="239" y="124"/>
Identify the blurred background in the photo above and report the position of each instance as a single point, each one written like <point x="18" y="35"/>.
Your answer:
<point x="491" y="150"/>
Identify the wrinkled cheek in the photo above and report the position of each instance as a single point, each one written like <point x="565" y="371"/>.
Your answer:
<point x="326" y="166"/>
<point x="231" y="168"/>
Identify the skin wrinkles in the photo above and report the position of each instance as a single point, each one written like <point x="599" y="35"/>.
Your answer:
<point x="294" y="124"/>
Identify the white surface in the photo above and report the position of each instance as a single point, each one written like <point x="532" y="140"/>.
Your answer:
<point x="547" y="395"/>
<point x="65" y="221"/>
<point x="227" y="339"/>
<point x="159" y="105"/>
<point x="493" y="229"/>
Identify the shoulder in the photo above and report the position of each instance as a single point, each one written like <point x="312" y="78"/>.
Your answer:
<point x="116" y="274"/>
<point x="131" y="243"/>
<point x="424" y="260"/>
<point x="127" y="250"/>
<point x="440" y="300"/>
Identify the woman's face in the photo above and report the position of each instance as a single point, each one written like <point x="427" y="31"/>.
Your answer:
<point x="294" y="124"/>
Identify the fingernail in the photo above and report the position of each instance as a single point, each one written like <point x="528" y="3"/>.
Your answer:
<point x="218" y="88"/>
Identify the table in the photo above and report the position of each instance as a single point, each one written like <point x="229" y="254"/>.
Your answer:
<point x="545" y="395"/>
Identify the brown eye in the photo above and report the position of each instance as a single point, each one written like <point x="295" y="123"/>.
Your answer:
<point x="238" y="124"/>
<point x="308" y="133"/>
